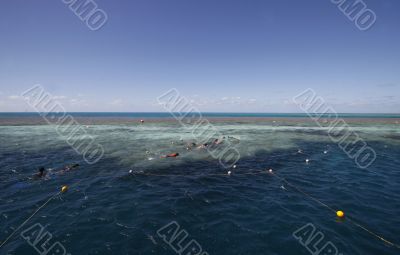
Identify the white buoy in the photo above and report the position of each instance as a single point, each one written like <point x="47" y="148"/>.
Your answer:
<point x="325" y="152"/>
<point x="229" y="172"/>
<point x="270" y="170"/>
<point x="307" y="160"/>
<point x="234" y="166"/>
<point x="130" y="171"/>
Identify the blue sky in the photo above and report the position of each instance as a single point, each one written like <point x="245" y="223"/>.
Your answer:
<point x="223" y="55"/>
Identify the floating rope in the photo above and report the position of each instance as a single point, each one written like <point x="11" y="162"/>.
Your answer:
<point x="229" y="173"/>
<point x="270" y="171"/>
<point x="63" y="189"/>
<point x="337" y="212"/>
<point x="200" y="175"/>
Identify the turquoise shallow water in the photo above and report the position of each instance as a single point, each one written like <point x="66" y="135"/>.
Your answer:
<point x="111" y="211"/>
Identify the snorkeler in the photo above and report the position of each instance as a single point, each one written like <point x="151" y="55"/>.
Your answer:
<point x="41" y="173"/>
<point x="172" y="155"/>
<point x="68" y="168"/>
<point x="190" y="146"/>
<point x="203" y="146"/>
<point x="218" y="141"/>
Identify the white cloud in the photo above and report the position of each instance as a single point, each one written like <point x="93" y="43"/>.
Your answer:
<point x="78" y="102"/>
<point x="14" y="97"/>
<point x="59" y="97"/>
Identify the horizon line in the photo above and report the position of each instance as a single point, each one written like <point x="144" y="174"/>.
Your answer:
<point x="379" y="113"/>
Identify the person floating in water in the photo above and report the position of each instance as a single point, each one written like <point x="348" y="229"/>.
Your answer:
<point x="68" y="168"/>
<point x="190" y="146"/>
<point x="203" y="146"/>
<point x="40" y="174"/>
<point x="218" y="141"/>
<point x="172" y="155"/>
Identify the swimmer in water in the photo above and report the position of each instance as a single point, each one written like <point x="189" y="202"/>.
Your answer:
<point x="69" y="168"/>
<point x="41" y="173"/>
<point x="218" y="141"/>
<point x="189" y="146"/>
<point x="172" y="155"/>
<point x="203" y="146"/>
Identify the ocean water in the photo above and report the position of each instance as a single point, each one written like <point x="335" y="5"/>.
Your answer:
<point x="117" y="205"/>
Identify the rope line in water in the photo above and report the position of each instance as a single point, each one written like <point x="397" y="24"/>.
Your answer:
<point x="330" y="208"/>
<point x="376" y="235"/>
<point x="63" y="189"/>
<point x="293" y="186"/>
<point x="229" y="173"/>
<point x="201" y="175"/>
<point x="304" y="193"/>
<point x="30" y="217"/>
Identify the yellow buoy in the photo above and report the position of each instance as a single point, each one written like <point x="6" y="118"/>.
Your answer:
<point x="64" y="188"/>
<point x="340" y="214"/>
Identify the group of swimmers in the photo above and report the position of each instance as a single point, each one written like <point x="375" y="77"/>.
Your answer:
<point x="190" y="146"/>
<point x="205" y="145"/>
<point x="42" y="173"/>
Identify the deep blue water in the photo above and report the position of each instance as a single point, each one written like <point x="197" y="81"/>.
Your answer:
<point x="111" y="211"/>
